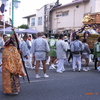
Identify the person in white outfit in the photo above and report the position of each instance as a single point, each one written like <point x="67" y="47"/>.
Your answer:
<point x="61" y="53"/>
<point x="76" y="49"/>
<point x="85" y="55"/>
<point x="26" y="52"/>
<point x="39" y="49"/>
<point x="1" y="49"/>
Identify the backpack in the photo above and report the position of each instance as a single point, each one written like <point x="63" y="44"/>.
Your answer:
<point x="98" y="47"/>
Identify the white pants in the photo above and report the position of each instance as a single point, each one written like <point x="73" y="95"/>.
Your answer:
<point x="28" y="62"/>
<point x="90" y="57"/>
<point x="76" y="59"/>
<point x="60" y="65"/>
<point x="66" y="61"/>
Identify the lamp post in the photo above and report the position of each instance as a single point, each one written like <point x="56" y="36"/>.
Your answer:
<point x="14" y="5"/>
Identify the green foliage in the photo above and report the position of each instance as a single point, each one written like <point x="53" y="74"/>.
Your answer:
<point x="24" y="26"/>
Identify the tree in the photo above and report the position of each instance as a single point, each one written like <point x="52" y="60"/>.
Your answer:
<point x="24" y="26"/>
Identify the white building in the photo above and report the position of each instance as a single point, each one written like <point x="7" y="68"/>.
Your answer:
<point x="64" y="17"/>
<point x="70" y="16"/>
<point x="31" y="21"/>
<point x="40" y="20"/>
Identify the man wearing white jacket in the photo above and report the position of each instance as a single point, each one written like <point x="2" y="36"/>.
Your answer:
<point x="1" y="48"/>
<point x="26" y="52"/>
<point x="76" y="49"/>
<point x="61" y="53"/>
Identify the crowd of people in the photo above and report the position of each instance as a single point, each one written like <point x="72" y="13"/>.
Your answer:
<point x="39" y="51"/>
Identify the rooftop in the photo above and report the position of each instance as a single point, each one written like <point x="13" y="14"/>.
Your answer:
<point x="72" y="3"/>
<point x="30" y="16"/>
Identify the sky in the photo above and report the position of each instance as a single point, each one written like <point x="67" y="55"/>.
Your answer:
<point x="28" y="7"/>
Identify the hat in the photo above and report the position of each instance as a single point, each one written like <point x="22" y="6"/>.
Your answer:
<point x="43" y="36"/>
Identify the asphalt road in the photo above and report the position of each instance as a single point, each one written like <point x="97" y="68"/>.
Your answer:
<point x="66" y="86"/>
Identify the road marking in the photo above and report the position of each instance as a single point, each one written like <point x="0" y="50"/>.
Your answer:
<point x="44" y="80"/>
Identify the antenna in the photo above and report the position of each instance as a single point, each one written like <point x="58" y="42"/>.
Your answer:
<point x="57" y="3"/>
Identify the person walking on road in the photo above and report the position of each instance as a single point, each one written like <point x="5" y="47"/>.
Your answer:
<point x="26" y="52"/>
<point x="76" y="49"/>
<point x="40" y="48"/>
<point x="12" y="67"/>
<point x="85" y="55"/>
<point x="97" y="52"/>
<point x="1" y="49"/>
<point x="61" y="53"/>
<point x="52" y="53"/>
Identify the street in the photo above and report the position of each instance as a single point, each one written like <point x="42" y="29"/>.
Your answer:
<point x="66" y="86"/>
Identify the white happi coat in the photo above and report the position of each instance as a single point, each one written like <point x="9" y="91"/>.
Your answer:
<point x="61" y="49"/>
<point x="1" y="45"/>
<point x="26" y="52"/>
<point x="40" y="48"/>
<point x="24" y="49"/>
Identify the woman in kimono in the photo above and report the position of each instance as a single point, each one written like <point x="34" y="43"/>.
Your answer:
<point x="11" y="68"/>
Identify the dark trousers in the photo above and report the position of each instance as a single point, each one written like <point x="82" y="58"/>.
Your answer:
<point x="95" y="63"/>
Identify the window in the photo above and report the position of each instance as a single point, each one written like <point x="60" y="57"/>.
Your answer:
<point x="58" y="15"/>
<point x="39" y="20"/>
<point x="33" y="22"/>
<point x="65" y="14"/>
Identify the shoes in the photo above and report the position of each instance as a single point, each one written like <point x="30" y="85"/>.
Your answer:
<point x="88" y="68"/>
<point x="20" y="76"/>
<point x="52" y="67"/>
<point x="59" y="71"/>
<point x="33" y="67"/>
<point x="84" y="69"/>
<point x="79" y="70"/>
<point x="40" y="67"/>
<point x="37" y="76"/>
<point x="63" y="70"/>
<point x="46" y="76"/>
<point x="55" y="64"/>
<point x="98" y="69"/>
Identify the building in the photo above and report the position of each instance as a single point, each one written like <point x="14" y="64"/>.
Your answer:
<point x="5" y="20"/>
<point x="31" y="21"/>
<point x="40" y="21"/>
<point x="70" y="16"/>
<point x="65" y="17"/>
